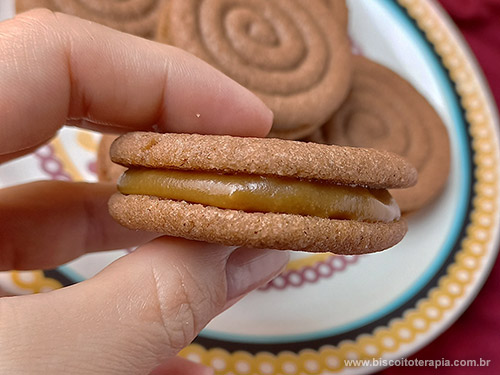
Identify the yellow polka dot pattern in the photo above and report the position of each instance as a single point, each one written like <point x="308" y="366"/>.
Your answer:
<point x="34" y="281"/>
<point x="452" y="287"/>
<point x="308" y="261"/>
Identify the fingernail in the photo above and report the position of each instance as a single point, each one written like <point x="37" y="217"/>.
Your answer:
<point x="248" y="269"/>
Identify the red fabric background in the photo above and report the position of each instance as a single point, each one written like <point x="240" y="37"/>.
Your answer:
<point x="476" y="334"/>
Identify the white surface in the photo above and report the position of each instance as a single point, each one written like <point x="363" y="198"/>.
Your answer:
<point x="7" y="9"/>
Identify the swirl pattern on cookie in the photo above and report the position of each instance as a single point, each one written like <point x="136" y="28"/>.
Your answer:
<point x="138" y="17"/>
<point x="294" y="56"/>
<point x="384" y="111"/>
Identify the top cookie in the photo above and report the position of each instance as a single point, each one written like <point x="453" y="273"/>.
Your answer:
<point x="138" y="17"/>
<point x="264" y="156"/>
<point x="385" y="112"/>
<point x="295" y="57"/>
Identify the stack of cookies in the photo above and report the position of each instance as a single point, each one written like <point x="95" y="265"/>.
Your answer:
<point x="298" y="59"/>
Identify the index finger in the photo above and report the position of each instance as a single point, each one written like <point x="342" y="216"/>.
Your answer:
<point x="59" y="69"/>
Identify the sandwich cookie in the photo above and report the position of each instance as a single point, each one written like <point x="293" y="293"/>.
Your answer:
<point x="260" y="192"/>
<point x="385" y="112"/>
<point x="138" y="17"/>
<point x="294" y="55"/>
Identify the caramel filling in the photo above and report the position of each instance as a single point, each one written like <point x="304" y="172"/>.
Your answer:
<point x="253" y="193"/>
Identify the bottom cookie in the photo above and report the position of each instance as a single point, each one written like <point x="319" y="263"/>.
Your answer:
<point x="254" y="229"/>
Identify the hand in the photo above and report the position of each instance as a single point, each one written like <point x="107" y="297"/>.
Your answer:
<point x="134" y="316"/>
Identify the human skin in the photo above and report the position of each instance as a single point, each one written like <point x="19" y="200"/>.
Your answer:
<point x="135" y="315"/>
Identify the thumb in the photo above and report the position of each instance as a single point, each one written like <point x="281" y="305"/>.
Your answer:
<point x="136" y="314"/>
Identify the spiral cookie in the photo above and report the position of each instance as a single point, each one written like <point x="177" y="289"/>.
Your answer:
<point x="340" y="11"/>
<point x="138" y="17"/>
<point x="294" y="56"/>
<point x="384" y="111"/>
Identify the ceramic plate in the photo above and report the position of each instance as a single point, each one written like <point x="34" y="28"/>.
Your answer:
<point x="327" y="309"/>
